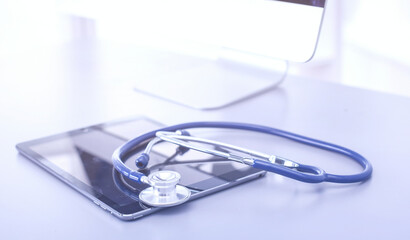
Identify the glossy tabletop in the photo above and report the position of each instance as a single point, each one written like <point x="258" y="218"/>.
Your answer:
<point x="45" y="91"/>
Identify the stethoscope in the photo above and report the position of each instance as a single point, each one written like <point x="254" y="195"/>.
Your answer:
<point x="164" y="190"/>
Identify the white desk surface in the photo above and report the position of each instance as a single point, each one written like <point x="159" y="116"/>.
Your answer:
<point x="46" y="92"/>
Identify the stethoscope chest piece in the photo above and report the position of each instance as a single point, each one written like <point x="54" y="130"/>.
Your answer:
<point x="164" y="191"/>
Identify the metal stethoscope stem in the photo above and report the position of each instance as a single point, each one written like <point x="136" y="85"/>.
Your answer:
<point x="182" y="140"/>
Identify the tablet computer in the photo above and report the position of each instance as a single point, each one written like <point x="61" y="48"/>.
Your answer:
<point x="81" y="158"/>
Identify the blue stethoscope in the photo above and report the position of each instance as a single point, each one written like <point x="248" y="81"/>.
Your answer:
<point x="164" y="190"/>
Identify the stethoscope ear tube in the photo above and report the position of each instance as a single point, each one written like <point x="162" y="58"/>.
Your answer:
<point x="303" y="173"/>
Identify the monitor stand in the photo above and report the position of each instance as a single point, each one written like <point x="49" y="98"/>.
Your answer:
<point x="208" y="84"/>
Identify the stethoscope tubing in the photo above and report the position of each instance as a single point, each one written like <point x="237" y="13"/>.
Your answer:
<point x="315" y="175"/>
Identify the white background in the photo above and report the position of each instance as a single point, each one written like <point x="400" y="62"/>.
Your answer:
<point x="363" y="43"/>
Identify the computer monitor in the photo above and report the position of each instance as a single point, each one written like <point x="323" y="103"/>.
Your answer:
<point x="229" y="50"/>
<point x="211" y="53"/>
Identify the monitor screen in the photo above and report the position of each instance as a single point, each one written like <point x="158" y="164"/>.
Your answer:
<point x="316" y="3"/>
<point x="284" y="29"/>
<point x="279" y="29"/>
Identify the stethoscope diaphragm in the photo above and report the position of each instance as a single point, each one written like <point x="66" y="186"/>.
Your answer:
<point x="164" y="190"/>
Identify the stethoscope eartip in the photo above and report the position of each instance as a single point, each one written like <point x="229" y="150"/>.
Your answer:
<point x="142" y="161"/>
